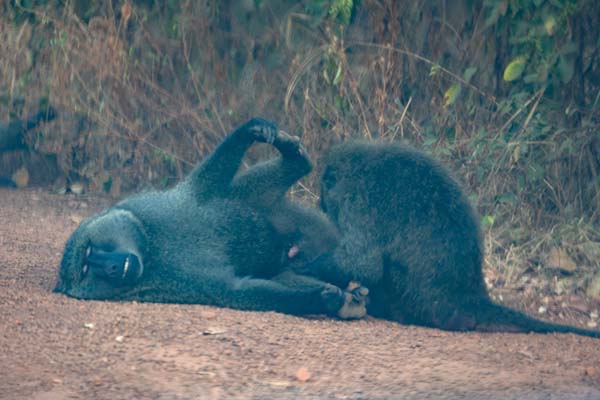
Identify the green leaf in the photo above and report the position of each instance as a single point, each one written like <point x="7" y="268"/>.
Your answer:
<point x="487" y="221"/>
<point x="550" y="24"/>
<point x="435" y="68"/>
<point x="326" y="76"/>
<point x="514" y="69"/>
<point x="469" y="72"/>
<point x="452" y="94"/>
<point x="566" y="69"/>
<point x="338" y="75"/>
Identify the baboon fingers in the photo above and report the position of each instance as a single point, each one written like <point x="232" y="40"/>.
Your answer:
<point x="263" y="130"/>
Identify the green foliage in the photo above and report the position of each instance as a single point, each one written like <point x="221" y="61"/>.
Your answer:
<point x="452" y="94"/>
<point x="540" y="36"/>
<point x="514" y="69"/>
<point x="342" y="10"/>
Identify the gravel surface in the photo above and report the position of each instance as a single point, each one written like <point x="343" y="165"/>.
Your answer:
<point x="54" y="347"/>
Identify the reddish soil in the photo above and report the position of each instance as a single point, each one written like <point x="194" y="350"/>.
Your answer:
<point x="54" y="347"/>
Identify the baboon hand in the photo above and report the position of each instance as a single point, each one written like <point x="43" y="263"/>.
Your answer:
<point x="262" y="130"/>
<point x="355" y="302"/>
<point x="348" y="304"/>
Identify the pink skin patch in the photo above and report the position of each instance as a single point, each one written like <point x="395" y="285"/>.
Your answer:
<point x="293" y="251"/>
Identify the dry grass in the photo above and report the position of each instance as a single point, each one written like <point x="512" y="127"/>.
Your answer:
<point x="143" y="93"/>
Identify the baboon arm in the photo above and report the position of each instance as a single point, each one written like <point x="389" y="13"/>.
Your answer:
<point x="212" y="178"/>
<point x="286" y="293"/>
<point x="268" y="181"/>
<point x="356" y="258"/>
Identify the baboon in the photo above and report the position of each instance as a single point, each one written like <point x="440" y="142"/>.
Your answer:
<point x="409" y="234"/>
<point x="12" y="134"/>
<point x="208" y="240"/>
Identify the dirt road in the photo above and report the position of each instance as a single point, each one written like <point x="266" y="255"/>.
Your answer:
<point x="54" y="347"/>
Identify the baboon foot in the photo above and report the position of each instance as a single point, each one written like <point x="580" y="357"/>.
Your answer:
<point x="289" y="144"/>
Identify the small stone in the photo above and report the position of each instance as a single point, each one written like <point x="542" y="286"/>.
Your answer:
<point x="592" y="324"/>
<point x="591" y="372"/>
<point x="280" y="383"/>
<point x="120" y="338"/>
<point x="542" y="310"/>
<point x="76" y="218"/>
<point x="89" y="325"/>
<point x="303" y="374"/>
<point x="76" y="188"/>
<point x="213" y="331"/>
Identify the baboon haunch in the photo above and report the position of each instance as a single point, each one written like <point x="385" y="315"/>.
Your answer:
<point x="409" y="234"/>
<point x="208" y="240"/>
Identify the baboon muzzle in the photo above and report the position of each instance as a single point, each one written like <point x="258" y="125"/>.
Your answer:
<point x="121" y="269"/>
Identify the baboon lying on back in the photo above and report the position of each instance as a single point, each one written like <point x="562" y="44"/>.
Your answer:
<point x="409" y="234"/>
<point x="211" y="239"/>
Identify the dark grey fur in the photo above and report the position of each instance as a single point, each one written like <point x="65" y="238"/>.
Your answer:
<point x="409" y="234"/>
<point x="12" y="134"/>
<point x="208" y="240"/>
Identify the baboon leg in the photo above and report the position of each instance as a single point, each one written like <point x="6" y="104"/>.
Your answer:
<point x="212" y="178"/>
<point x="355" y="258"/>
<point x="267" y="182"/>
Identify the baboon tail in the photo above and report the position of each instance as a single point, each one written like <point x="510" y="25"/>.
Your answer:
<point x="493" y="317"/>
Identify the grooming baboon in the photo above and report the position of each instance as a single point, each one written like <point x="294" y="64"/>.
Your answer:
<point x="409" y="234"/>
<point x="208" y="240"/>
